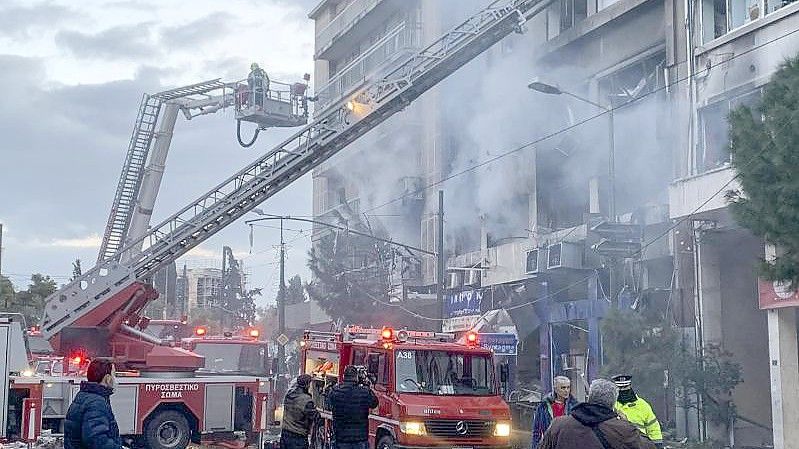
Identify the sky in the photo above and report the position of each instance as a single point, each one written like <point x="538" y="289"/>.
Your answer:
<point x="73" y="75"/>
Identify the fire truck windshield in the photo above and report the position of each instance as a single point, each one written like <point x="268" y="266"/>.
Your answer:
<point x="444" y="373"/>
<point x="234" y="358"/>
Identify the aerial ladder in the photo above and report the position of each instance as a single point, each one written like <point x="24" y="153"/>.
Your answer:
<point x="103" y="306"/>
<point x="280" y="105"/>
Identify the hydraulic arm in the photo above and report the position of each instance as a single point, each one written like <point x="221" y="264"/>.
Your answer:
<point x="110" y="297"/>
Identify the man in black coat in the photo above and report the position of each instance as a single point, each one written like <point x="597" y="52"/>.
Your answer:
<point x="350" y="402"/>
<point x="90" y="422"/>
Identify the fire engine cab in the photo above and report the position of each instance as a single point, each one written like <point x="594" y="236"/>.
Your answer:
<point x="434" y="392"/>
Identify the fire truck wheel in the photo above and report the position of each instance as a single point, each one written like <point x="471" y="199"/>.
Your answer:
<point x="386" y="442"/>
<point x="167" y="430"/>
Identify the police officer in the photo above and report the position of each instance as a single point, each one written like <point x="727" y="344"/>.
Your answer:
<point x="637" y="410"/>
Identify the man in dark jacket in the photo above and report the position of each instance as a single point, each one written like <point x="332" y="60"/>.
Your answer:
<point x="299" y="414"/>
<point x="595" y="425"/>
<point x="350" y="402"/>
<point x="90" y="422"/>
<point x="554" y="405"/>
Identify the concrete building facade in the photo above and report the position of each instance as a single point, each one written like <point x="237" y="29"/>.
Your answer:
<point x="659" y="167"/>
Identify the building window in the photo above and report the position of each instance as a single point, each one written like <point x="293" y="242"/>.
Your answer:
<point x="714" y="146"/>
<point x="634" y="81"/>
<point x="572" y="12"/>
<point x="722" y="16"/>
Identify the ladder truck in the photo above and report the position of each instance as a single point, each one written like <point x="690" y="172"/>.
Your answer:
<point x="166" y="404"/>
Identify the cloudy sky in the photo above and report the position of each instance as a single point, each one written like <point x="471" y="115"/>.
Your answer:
<point x="73" y="75"/>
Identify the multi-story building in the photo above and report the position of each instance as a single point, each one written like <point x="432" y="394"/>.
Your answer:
<point x="736" y="46"/>
<point x="204" y="287"/>
<point x="655" y="169"/>
<point x="355" y="41"/>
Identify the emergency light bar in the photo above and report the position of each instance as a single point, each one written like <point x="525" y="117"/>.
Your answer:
<point x="401" y="335"/>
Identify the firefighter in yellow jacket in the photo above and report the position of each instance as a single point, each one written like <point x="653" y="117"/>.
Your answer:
<point x="637" y="411"/>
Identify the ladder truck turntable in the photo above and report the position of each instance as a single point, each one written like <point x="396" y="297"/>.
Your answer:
<point x="165" y="403"/>
<point x="433" y="392"/>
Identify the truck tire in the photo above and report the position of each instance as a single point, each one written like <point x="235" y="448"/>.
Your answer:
<point x="168" y="429"/>
<point x="385" y="442"/>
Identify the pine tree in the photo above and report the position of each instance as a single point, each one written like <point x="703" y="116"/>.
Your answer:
<point x="764" y="144"/>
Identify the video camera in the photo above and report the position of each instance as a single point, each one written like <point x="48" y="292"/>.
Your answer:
<point x="363" y="375"/>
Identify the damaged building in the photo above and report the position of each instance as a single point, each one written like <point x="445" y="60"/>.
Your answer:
<point x="584" y="165"/>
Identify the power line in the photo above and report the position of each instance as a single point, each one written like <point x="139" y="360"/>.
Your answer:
<point x="572" y="126"/>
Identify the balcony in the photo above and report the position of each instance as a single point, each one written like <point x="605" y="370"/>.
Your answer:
<point x="342" y="23"/>
<point x="400" y="43"/>
<point x="701" y="193"/>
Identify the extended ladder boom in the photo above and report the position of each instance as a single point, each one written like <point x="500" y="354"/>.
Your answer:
<point x="81" y="300"/>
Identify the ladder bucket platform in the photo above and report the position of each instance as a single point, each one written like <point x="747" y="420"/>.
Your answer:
<point x="278" y="106"/>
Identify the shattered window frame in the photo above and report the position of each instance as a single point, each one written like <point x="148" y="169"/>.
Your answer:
<point x="713" y="146"/>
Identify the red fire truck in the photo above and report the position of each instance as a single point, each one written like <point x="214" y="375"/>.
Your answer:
<point x="434" y="392"/>
<point x="231" y="353"/>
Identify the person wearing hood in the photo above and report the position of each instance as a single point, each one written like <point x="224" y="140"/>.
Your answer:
<point x="636" y="410"/>
<point x="350" y="402"/>
<point x="595" y="424"/>
<point x="554" y="405"/>
<point x="90" y="422"/>
<point x="299" y="415"/>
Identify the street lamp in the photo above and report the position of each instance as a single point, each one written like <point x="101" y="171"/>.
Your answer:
<point x="552" y="89"/>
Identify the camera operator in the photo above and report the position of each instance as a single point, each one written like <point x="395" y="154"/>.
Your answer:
<point x="350" y="402"/>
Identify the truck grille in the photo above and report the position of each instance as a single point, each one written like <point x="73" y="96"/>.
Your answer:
<point x="455" y="428"/>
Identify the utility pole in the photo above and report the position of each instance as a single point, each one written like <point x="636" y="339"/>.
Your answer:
<point x="281" y="303"/>
<point x="1" y="265"/>
<point x="440" y="256"/>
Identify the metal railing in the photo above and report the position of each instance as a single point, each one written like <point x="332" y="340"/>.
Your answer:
<point x="401" y="42"/>
<point x="249" y="99"/>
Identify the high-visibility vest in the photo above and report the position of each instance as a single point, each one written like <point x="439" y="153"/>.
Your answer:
<point x="639" y="413"/>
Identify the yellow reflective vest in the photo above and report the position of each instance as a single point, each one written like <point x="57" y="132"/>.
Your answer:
<point x="639" y="413"/>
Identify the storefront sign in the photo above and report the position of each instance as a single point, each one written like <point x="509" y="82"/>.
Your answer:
<point x="459" y="324"/>
<point x="463" y="303"/>
<point x="773" y="295"/>
<point x="501" y="344"/>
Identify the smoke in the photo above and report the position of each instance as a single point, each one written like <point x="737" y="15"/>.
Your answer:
<point x="484" y="110"/>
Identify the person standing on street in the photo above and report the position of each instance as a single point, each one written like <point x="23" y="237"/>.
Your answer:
<point x="90" y="422"/>
<point x="556" y="404"/>
<point x="299" y="414"/>
<point x="594" y="424"/>
<point x="350" y="402"/>
<point x="636" y="410"/>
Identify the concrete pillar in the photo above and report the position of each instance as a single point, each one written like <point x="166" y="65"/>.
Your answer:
<point x="784" y="356"/>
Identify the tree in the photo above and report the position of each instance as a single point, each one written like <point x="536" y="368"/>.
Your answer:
<point x="638" y="345"/>
<point x="30" y="302"/>
<point x="763" y="143"/>
<point x="644" y="344"/>
<point x="77" y="271"/>
<point x="351" y="276"/>
<point x="6" y="294"/>
<point x="295" y="292"/>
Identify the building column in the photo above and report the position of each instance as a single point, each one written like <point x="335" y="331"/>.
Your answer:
<point x="784" y="356"/>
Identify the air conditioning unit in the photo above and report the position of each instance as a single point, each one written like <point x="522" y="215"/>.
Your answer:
<point x="535" y="261"/>
<point x="564" y="255"/>
<point x="473" y="278"/>
<point x="453" y="279"/>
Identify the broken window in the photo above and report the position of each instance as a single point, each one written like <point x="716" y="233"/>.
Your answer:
<point x="714" y="145"/>
<point x="635" y="80"/>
